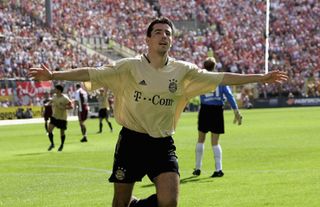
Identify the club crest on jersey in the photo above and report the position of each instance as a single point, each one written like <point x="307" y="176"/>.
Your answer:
<point x="120" y="173"/>
<point x="173" y="86"/>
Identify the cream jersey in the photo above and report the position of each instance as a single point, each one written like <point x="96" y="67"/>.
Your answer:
<point x="103" y="101"/>
<point x="59" y="104"/>
<point x="150" y="100"/>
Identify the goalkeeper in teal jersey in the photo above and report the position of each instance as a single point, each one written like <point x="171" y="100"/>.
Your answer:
<point x="211" y="119"/>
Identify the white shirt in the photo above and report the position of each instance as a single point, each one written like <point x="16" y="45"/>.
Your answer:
<point x="81" y="98"/>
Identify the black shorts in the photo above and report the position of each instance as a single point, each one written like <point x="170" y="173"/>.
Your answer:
<point x="210" y="119"/>
<point x="61" y="124"/>
<point x="103" y="113"/>
<point x="138" y="154"/>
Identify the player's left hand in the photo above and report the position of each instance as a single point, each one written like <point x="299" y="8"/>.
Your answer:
<point x="237" y="117"/>
<point x="41" y="74"/>
<point x="275" y="76"/>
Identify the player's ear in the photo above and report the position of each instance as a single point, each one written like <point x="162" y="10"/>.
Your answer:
<point x="147" y="40"/>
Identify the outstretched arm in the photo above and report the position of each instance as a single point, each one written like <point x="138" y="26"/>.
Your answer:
<point x="44" y="74"/>
<point x="239" y="79"/>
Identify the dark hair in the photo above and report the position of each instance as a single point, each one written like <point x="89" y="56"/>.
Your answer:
<point x="78" y="85"/>
<point x="209" y="64"/>
<point x="162" y="20"/>
<point x="59" y="87"/>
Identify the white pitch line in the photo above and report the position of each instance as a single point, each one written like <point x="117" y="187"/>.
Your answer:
<point x="181" y="170"/>
<point x="71" y="167"/>
<point x="29" y="121"/>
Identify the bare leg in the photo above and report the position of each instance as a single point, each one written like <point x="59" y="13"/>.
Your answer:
<point x="167" y="186"/>
<point x="201" y="137"/>
<point x="46" y="125"/>
<point x="109" y="124"/>
<point x="50" y="135"/>
<point x="122" y="194"/>
<point x="100" y="125"/>
<point x="83" y="131"/>
<point x="215" y="139"/>
<point x="63" y="138"/>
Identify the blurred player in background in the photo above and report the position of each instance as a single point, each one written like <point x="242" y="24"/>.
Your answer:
<point x="211" y="119"/>
<point x="103" y="109"/>
<point x="60" y="104"/>
<point x="151" y="92"/>
<point x="81" y="101"/>
<point x="46" y="110"/>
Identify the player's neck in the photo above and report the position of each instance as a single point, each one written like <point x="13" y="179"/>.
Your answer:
<point x="157" y="60"/>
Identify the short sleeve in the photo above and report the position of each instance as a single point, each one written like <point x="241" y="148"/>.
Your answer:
<point x="199" y="81"/>
<point x="109" y="76"/>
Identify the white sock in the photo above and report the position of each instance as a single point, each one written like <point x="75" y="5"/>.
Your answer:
<point x="217" y="152"/>
<point x="199" y="155"/>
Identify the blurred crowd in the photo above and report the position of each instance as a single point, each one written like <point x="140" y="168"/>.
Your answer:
<point x="121" y="20"/>
<point x="295" y="44"/>
<point x="25" y="44"/>
<point x="235" y="34"/>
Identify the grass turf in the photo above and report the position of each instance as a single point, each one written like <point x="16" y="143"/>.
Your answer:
<point x="272" y="160"/>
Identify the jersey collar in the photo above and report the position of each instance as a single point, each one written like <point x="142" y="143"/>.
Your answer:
<point x="147" y="59"/>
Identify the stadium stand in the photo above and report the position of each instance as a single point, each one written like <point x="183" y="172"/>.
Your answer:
<point x="26" y="42"/>
<point x="232" y="31"/>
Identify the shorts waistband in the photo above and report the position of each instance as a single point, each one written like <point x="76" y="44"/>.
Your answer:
<point x="126" y="130"/>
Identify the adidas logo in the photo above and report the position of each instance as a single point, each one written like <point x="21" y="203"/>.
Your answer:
<point x="143" y="82"/>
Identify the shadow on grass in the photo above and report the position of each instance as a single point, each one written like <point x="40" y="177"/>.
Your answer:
<point x="192" y="178"/>
<point x="195" y="178"/>
<point x="32" y="154"/>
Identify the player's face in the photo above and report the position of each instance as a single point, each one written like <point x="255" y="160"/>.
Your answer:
<point x="58" y="92"/>
<point x="161" y="38"/>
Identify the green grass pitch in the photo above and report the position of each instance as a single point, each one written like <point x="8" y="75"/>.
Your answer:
<point x="272" y="160"/>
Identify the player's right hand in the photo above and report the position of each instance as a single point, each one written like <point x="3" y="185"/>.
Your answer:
<point x="237" y="117"/>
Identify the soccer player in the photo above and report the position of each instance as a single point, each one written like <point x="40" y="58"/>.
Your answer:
<point x="46" y="110"/>
<point x="81" y="101"/>
<point x="151" y="92"/>
<point x="103" y="109"/>
<point x="60" y="104"/>
<point x="210" y="118"/>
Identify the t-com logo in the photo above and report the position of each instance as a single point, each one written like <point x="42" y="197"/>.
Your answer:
<point x="155" y="100"/>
